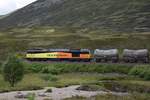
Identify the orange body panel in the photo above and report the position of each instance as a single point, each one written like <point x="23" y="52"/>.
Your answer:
<point x="64" y="55"/>
<point x="69" y="55"/>
<point x="84" y="56"/>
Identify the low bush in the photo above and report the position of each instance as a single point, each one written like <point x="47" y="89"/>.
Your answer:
<point x="90" y="88"/>
<point x="33" y="67"/>
<point x="141" y="71"/>
<point x="59" y="68"/>
<point x="48" y="91"/>
<point x="127" y="87"/>
<point x="147" y="75"/>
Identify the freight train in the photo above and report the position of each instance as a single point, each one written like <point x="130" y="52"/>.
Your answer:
<point x="86" y="55"/>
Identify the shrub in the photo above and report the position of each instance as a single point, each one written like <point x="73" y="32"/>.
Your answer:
<point x="126" y="86"/>
<point x="147" y="75"/>
<point x="34" y="67"/>
<point x="90" y="88"/>
<point x="13" y="70"/>
<point x="51" y="69"/>
<point x="45" y="69"/>
<point x="141" y="71"/>
<point x="137" y="70"/>
<point x="76" y="67"/>
<point x="48" y="91"/>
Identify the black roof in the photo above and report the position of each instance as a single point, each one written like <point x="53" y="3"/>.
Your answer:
<point x="58" y="50"/>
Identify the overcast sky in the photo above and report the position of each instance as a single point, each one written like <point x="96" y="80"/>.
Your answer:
<point x="7" y="6"/>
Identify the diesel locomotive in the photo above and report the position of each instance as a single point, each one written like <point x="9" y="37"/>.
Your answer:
<point x="58" y="55"/>
<point x="86" y="55"/>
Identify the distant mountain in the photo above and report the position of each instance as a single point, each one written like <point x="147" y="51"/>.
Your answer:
<point x="117" y="15"/>
<point x="2" y="16"/>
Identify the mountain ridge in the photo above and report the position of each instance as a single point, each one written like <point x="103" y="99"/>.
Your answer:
<point x="118" y="15"/>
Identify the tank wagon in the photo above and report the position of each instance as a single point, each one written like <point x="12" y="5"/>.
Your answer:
<point x="136" y="55"/>
<point x="106" y="55"/>
<point x="86" y="55"/>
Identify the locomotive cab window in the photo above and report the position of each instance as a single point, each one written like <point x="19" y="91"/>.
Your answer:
<point x="76" y="54"/>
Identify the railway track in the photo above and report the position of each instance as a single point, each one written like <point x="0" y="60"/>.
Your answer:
<point x="100" y="63"/>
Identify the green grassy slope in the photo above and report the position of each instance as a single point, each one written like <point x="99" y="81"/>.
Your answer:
<point x="117" y="15"/>
<point x="21" y="39"/>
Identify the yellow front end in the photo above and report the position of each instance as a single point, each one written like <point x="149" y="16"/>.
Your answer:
<point x="42" y="55"/>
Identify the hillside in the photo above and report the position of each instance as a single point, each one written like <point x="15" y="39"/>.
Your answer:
<point x="76" y="24"/>
<point x="115" y="15"/>
<point x="20" y="39"/>
<point x="2" y="16"/>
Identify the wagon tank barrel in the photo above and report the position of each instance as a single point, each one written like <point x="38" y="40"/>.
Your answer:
<point x="136" y="55"/>
<point x="107" y="55"/>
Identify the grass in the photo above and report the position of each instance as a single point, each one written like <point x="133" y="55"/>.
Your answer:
<point x="29" y="82"/>
<point x="75" y="79"/>
<point x="88" y="81"/>
<point x="39" y="75"/>
<point x="35" y="81"/>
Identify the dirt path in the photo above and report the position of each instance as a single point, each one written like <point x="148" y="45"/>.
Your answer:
<point x="56" y="94"/>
